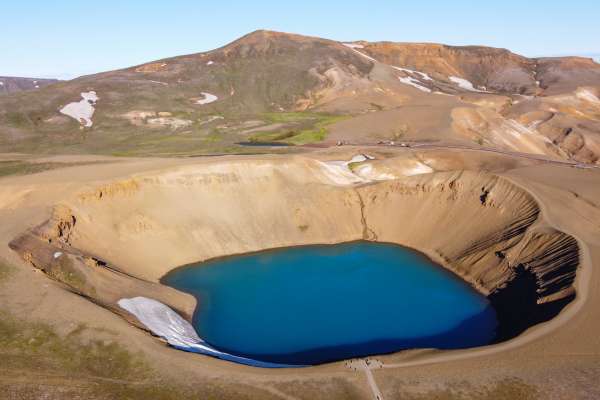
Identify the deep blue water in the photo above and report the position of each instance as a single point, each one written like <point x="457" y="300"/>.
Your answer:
<point x="313" y="304"/>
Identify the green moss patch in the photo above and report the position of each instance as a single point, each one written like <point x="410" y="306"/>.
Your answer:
<point x="301" y="128"/>
<point x="20" y="167"/>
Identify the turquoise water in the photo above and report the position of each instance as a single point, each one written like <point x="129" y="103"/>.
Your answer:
<point x="314" y="304"/>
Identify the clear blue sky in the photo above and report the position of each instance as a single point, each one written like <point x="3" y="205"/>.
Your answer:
<point x="65" y="38"/>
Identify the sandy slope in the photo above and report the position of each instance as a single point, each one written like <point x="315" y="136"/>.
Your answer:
<point x="114" y="204"/>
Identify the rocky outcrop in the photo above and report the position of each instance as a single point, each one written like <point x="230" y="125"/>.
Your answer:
<point x="47" y="248"/>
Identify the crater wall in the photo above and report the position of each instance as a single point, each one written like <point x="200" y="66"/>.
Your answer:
<point x="480" y="226"/>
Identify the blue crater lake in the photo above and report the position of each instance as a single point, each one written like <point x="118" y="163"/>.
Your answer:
<point x="314" y="304"/>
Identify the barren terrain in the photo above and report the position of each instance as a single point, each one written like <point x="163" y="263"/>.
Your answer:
<point x="122" y="220"/>
<point x="485" y="160"/>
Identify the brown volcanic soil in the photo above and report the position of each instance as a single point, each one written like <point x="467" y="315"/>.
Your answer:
<point x="491" y="200"/>
<point x="497" y="69"/>
<point x="558" y="359"/>
<point x="317" y="90"/>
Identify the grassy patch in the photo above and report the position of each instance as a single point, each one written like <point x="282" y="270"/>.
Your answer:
<point x="5" y="271"/>
<point x="302" y="127"/>
<point x="39" y="363"/>
<point x="352" y="166"/>
<point x="263" y="137"/>
<point x="287" y="117"/>
<point x="23" y="167"/>
<point x="213" y="137"/>
<point x="308" y="136"/>
<point x="32" y="345"/>
<point x="19" y="167"/>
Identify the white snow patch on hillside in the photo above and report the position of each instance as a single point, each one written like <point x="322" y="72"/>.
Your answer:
<point x="207" y="98"/>
<point x="159" y="82"/>
<point x="210" y="63"/>
<point x="415" y="83"/>
<point x="367" y="172"/>
<point x="172" y="122"/>
<point x="423" y="75"/>
<point x="354" y="47"/>
<point x="163" y="322"/>
<point x="83" y="110"/>
<point x="516" y="136"/>
<point x="418" y="169"/>
<point x="464" y="84"/>
<point x="340" y="173"/>
<point x="1" y="83"/>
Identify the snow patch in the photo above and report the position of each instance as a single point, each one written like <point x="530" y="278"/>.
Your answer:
<point x="340" y="172"/>
<point x="172" y="122"/>
<point x="163" y="322"/>
<point x="367" y="172"/>
<point x="1" y="83"/>
<point x="82" y="110"/>
<point x="418" y="169"/>
<point x="57" y="254"/>
<point x="210" y="63"/>
<point x="464" y="84"/>
<point x="415" y="83"/>
<point x="354" y="47"/>
<point x="423" y="75"/>
<point x="516" y="136"/>
<point x="207" y="98"/>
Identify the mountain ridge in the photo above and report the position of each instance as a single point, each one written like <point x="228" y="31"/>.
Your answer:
<point x="11" y="84"/>
<point x="292" y="89"/>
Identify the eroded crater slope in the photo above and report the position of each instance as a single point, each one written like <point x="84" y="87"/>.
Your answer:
<point x="117" y="240"/>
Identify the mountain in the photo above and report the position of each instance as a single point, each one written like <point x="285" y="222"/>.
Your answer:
<point x="291" y="89"/>
<point x="10" y="84"/>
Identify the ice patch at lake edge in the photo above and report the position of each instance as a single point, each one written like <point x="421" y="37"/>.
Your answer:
<point x="163" y="322"/>
<point x="83" y="110"/>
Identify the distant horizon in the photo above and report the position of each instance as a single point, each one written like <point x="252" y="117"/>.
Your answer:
<point x="67" y="76"/>
<point x="71" y="38"/>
